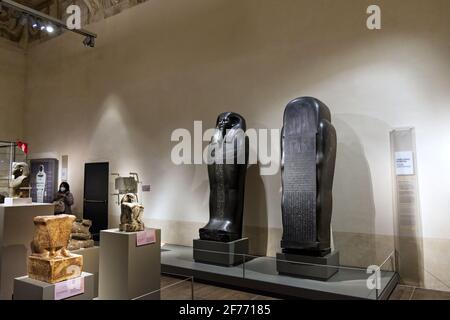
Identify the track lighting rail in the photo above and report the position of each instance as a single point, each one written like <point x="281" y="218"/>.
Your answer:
<point x="89" y="36"/>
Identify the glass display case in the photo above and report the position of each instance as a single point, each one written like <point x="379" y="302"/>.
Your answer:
<point x="260" y="274"/>
<point x="9" y="153"/>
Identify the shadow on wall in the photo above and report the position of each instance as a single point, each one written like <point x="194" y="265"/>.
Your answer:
<point x="353" y="202"/>
<point x="255" y="212"/>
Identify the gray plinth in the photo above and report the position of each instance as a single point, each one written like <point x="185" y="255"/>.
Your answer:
<point x="220" y="253"/>
<point x="16" y="232"/>
<point x="26" y="288"/>
<point x="319" y="268"/>
<point x="128" y="271"/>
<point x="90" y="263"/>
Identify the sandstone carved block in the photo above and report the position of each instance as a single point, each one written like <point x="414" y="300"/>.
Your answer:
<point x="50" y="260"/>
<point x="80" y="236"/>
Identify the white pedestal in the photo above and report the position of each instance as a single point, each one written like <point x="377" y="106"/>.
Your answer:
<point x="16" y="233"/>
<point x="90" y="263"/>
<point x="81" y="288"/>
<point x="128" y="271"/>
<point x="17" y="201"/>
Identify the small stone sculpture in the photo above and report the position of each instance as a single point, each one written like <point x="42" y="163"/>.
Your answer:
<point x="20" y="184"/>
<point x="131" y="214"/>
<point x="50" y="260"/>
<point x="80" y="236"/>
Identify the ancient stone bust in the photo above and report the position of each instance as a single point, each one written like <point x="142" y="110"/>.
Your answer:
<point x="308" y="147"/>
<point x="20" y="183"/>
<point x="227" y="167"/>
<point x="131" y="214"/>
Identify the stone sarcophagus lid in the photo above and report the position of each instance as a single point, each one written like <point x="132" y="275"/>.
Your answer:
<point x="228" y="154"/>
<point x="50" y="260"/>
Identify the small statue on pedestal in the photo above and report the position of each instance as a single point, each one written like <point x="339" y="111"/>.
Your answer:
<point x="131" y="214"/>
<point x="50" y="260"/>
<point x="20" y="183"/>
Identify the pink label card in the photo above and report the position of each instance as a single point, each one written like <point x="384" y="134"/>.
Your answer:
<point x="145" y="237"/>
<point x="69" y="288"/>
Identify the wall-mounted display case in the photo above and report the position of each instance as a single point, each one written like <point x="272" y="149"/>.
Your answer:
<point x="9" y="153"/>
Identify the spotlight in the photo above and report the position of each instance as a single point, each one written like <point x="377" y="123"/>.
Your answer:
<point x="89" y="41"/>
<point x="39" y="24"/>
<point x="33" y="23"/>
<point x="50" y="28"/>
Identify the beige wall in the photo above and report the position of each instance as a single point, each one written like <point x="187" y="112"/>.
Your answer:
<point x="12" y="90"/>
<point x="165" y="63"/>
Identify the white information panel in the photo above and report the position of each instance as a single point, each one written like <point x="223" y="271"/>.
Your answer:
<point x="69" y="288"/>
<point x="404" y="163"/>
<point x="145" y="237"/>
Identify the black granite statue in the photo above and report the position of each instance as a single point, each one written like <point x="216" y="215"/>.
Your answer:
<point x="308" y="148"/>
<point x="227" y="167"/>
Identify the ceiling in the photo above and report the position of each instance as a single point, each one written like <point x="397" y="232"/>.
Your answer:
<point x="91" y="11"/>
<point x="13" y="30"/>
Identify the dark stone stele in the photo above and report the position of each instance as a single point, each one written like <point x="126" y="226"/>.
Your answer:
<point x="227" y="180"/>
<point x="308" y="151"/>
<point x="221" y="239"/>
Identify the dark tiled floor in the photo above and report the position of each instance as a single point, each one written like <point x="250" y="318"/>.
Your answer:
<point x="424" y="294"/>
<point x="402" y="293"/>
<point x="177" y="289"/>
<point x="412" y="293"/>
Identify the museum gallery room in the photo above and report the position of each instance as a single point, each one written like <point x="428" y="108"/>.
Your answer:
<point x="224" y="150"/>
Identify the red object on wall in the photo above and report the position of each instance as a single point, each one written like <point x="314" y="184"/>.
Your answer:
<point x="23" y="146"/>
